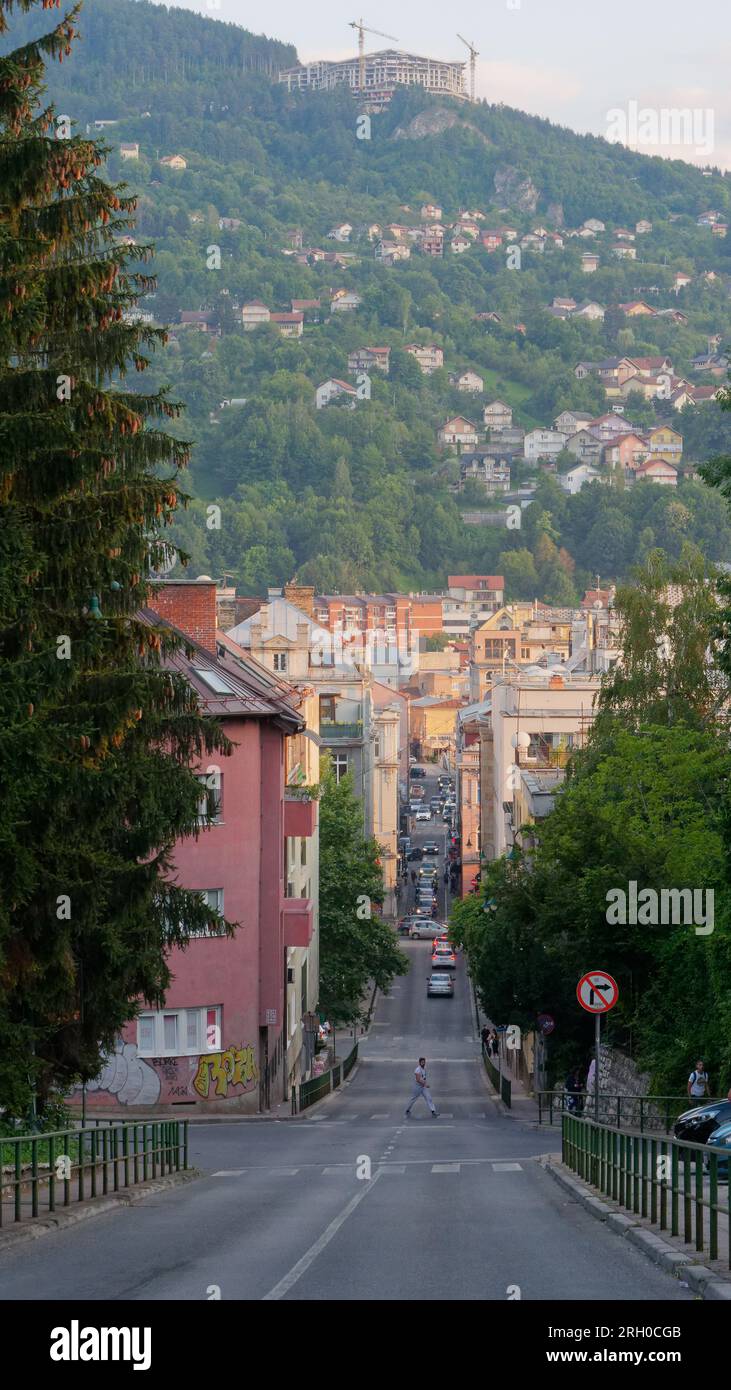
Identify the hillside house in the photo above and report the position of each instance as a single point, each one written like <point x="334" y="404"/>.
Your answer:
<point x="636" y="308"/>
<point x="289" y="325"/>
<point x="309" y="307"/>
<point x="626" y="452"/>
<point x="345" y="302"/>
<point x="367" y="359"/>
<point x="665" y="442"/>
<point x="585" y="446"/>
<point x="254" y="314"/>
<point x="563" y="302"/>
<point x="622" y="252"/>
<point x="342" y="232"/>
<point x="591" y="310"/>
<point x="491" y="240"/>
<point x="229" y="224"/>
<point x="429" y="356"/>
<point x="643" y="227"/>
<point x="388" y="252"/>
<point x="174" y="161"/>
<point x="431" y="243"/>
<point x="333" y="389"/>
<point x="129" y="151"/>
<point x="571" y="420"/>
<point x="459" y="432"/>
<point x="574" y="479"/>
<point x="589" y="262"/>
<point x="681" y="278"/>
<point x="593" y="224"/>
<point x="492" y="474"/>
<point x="657" y="470"/>
<point x="543" y="444"/>
<point x="498" y="416"/>
<point x="431" y="213"/>
<point x="468" y="381"/>
<point x="459" y="244"/>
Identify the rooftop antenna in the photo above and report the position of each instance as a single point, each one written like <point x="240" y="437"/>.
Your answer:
<point x="363" y="29"/>
<point x="474" y="53"/>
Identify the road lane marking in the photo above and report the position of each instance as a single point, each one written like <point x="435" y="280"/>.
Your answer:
<point x="398" y="1168"/>
<point x="320" y="1244"/>
<point x="445" y="1167"/>
<point x="228" y="1173"/>
<point x="383" y="1116"/>
<point x="507" y="1168"/>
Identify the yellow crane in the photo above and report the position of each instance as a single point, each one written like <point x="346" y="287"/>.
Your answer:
<point x="362" y="30"/>
<point x="474" y="53"/>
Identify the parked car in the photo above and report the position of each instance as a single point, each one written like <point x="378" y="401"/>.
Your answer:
<point x="415" y="854"/>
<point x="423" y="814"/>
<point x="417" y="772"/>
<point x="439" y="984"/>
<point x="443" y="959"/>
<point x="721" y="1138"/>
<point x="696" y="1126"/>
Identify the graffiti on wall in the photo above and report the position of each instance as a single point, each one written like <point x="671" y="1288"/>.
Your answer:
<point x="135" y="1081"/>
<point x="127" y="1077"/>
<point x="234" y="1067"/>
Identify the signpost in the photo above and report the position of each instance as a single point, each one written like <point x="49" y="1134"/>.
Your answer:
<point x="597" y="992"/>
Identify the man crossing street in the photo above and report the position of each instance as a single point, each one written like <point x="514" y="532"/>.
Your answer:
<point x="421" y="1089"/>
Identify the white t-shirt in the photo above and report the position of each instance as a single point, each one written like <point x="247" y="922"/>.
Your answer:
<point x="420" y="1074"/>
<point x="698" y="1083"/>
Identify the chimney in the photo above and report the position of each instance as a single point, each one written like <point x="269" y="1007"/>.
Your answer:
<point x="191" y="607"/>
<point x="302" y="596"/>
<point x="556" y="682"/>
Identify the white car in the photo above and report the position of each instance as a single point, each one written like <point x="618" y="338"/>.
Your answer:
<point x="423" y="814"/>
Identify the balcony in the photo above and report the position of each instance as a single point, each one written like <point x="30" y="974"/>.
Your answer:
<point x="300" y="815"/>
<point x="297" y="921"/>
<point x="333" y="731"/>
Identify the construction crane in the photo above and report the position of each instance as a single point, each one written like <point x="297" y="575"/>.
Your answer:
<point x="474" y="53"/>
<point x="362" y="29"/>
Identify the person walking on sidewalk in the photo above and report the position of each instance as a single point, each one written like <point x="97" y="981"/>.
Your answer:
<point x="421" y="1089"/>
<point x="698" y="1085"/>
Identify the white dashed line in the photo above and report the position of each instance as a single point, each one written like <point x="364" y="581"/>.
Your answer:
<point x="507" y="1168"/>
<point x="445" y="1168"/>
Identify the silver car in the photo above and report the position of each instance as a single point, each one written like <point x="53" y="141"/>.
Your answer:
<point x="422" y="928"/>
<point x="439" y="984"/>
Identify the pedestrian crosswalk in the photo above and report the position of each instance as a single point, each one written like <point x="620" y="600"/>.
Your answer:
<point x="332" y="1170"/>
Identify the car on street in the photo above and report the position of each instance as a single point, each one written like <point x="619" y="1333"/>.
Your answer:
<point x="422" y="813"/>
<point x="430" y="847"/>
<point x="416" y="793"/>
<point x="439" y="984"/>
<point x="415" y="854"/>
<point x="443" y="960"/>
<point x="697" y="1125"/>
<point x="418" y="928"/>
<point x="429" y="871"/>
<point x="417" y="772"/>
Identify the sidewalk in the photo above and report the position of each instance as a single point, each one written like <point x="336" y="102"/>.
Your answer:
<point x="522" y="1107"/>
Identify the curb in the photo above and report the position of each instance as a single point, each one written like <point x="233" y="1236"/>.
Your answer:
<point x="24" y="1233"/>
<point x="703" y="1281"/>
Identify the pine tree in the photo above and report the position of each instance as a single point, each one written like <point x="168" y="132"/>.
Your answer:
<point x="97" y="732"/>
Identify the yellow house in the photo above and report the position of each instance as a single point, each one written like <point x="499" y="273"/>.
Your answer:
<point x="433" y="723"/>
<point x="666" y="443"/>
<point x="174" y="161"/>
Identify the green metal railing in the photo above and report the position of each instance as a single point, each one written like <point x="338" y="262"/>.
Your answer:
<point x="309" y="1092"/>
<point x="658" y="1178"/>
<point x="646" y="1113"/>
<point x="341" y="729"/>
<point x="40" y="1172"/>
<point x="502" y="1083"/>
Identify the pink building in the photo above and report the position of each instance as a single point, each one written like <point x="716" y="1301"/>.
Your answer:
<point x="220" y="1039"/>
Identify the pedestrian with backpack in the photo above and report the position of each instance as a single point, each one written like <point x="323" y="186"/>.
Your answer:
<point x="698" y="1083"/>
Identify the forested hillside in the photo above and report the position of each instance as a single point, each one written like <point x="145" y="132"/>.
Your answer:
<point x="365" y="497"/>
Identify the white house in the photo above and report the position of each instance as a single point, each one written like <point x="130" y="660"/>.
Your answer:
<point x="345" y="302"/>
<point x="543" y="444"/>
<point x="341" y="232"/>
<point x="498" y="416"/>
<point x="331" y="390"/>
<point x="459" y="431"/>
<point x="574" y="480"/>
<point x="468" y="381"/>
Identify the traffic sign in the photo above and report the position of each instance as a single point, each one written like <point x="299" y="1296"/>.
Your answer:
<point x="546" y="1024"/>
<point x="597" y="992"/>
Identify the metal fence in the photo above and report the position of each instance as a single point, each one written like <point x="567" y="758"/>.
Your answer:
<point x="652" y="1114"/>
<point x="502" y="1083"/>
<point x="662" y="1179"/>
<point x="42" y="1172"/>
<point x="308" y="1092"/>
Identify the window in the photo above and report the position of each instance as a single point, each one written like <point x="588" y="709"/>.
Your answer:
<point x="213" y="680"/>
<point x="179" y="1032"/>
<point x="327" y="709"/>
<point x="211" y="802"/>
<point x="280" y="661"/>
<point x="340" y="765"/>
<point x="213" y="898"/>
<point x="303" y="851"/>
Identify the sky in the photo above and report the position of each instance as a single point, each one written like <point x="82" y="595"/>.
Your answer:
<point x="627" y="69"/>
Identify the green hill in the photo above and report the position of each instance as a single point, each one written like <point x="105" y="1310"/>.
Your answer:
<point x="364" y="497"/>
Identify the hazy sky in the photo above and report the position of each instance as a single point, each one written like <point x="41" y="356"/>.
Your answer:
<point x="573" y="61"/>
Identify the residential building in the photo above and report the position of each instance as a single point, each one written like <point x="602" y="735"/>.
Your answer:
<point x="345" y="302"/>
<point x="289" y="325"/>
<point x="368" y="359"/>
<point x="129" y="150"/>
<point x="174" y="161"/>
<point x="458" y="431"/>
<point x="468" y="381"/>
<point x="253" y="314"/>
<point x="342" y="232"/>
<point x="569" y="421"/>
<point x="543" y="444"/>
<point x="334" y="389"/>
<point x="589" y="262"/>
<point x="429" y="356"/>
<point x="493" y="474"/>
<point x="585" y="446"/>
<point x="498" y="416"/>
<point x="657" y="470"/>
<point x="665" y="442"/>
<point x="384" y="72"/>
<point x="481" y="590"/>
